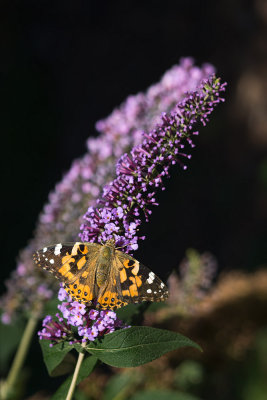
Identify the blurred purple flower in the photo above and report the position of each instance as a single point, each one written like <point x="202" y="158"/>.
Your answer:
<point x="28" y="288"/>
<point x="196" y="275"/>
<point x="141" y="173"/>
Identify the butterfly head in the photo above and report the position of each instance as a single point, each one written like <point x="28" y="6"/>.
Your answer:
<point x="110" y="243"/>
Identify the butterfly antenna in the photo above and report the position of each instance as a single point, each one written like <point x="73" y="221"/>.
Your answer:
<point x="125" y="245"/>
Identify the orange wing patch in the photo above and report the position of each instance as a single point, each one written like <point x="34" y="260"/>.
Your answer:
<point x="129" y="263"/>
<point x="134" y="264"/>
<point x="123" y="275"/>
<point x="83" y="249"/>
<point x="136" y="282"/>
<point x="65" y="269"/>
<point x="135" y="269"/>
<point x="80" y="292"/>
<point x="110" y="300"/>
<point x="79" y="247"/>
<point x="85" y="274"/>
<point x="81" y="263"/>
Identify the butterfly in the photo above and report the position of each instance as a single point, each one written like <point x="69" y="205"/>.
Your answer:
<point x="91" y="271"/>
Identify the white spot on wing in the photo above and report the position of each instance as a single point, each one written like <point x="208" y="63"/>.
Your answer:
<point x="57" y="249"/>
<point x="51" y="261"/>
<point x="151" y="277"/>
<point x="44" y="249"/>
<point x="162" y="285"/>
<point x="149" y="291"/>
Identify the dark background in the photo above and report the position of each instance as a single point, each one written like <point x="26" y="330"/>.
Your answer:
<point x="67" y="64"/>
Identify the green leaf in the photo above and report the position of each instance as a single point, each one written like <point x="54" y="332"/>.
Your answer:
<point x="162" y="395"/>
<point x="50" y="307"/>
<point x="80" y="395"/>
<point x="117" y="385"/>
<point x="87" y="367"/>
<point x="126" y="313"/>
<point x="137" y="346"/>
<point x="133" y="314"/>
<point x="66" y="366"/>
<point x="53" y="356"/>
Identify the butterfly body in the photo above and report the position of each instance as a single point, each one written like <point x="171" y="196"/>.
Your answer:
<point x="90" y="271"/>
<point x="106" y="253"/>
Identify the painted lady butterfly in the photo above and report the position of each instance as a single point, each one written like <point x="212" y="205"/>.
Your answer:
<point x="92" y="271"/>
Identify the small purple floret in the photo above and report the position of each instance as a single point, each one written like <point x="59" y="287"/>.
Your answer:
<point x="91" y="323"/>
<point x="139" y="174"/>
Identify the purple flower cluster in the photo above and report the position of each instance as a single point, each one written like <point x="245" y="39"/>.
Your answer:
<point x="118" y="133"/>
<point x="82" y="184"/>
<point x="124" y="127"/>
<point x="196" y="274"/>
<point x="140" y="173"/>
<point x="91" y="323"/>
<point x="55" y="331"/>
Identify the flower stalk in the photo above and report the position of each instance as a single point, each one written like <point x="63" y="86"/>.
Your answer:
<point x="118" y="212"/>
<point x="76" y="373"/>
<point x="9" y="384"/>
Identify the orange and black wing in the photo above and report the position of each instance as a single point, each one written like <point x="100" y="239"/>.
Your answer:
<point x="130" y="282"/>
<point x="137" y="282"/>
<point x="73" y="264"/>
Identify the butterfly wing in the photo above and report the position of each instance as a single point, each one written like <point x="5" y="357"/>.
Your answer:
<point x="73" y="264"/>
<point x="130" y="282"/>
<point x="109" y="296"/>
<point x="139" y="283"/>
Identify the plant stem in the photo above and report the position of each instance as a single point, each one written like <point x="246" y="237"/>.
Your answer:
<point x="20" y="356"/>
<point x="76" y="373"/>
